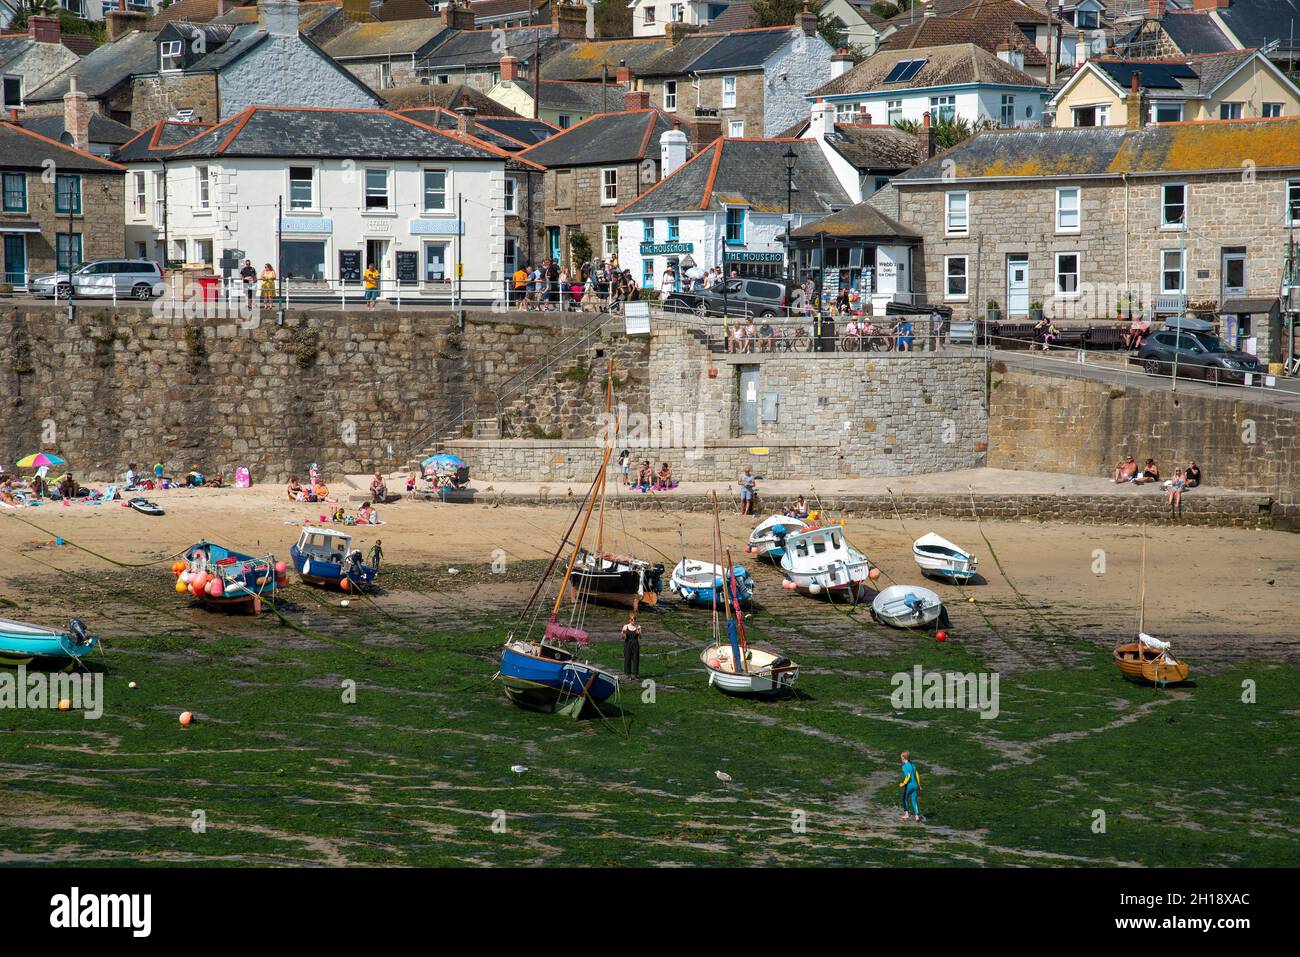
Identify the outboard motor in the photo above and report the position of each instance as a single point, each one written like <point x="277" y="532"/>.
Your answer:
<point x="78" y="630"/>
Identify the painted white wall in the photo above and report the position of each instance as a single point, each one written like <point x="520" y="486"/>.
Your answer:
<point x="662" y="12"/>
<point x="972" y="103"/>
<point x="242" y="213"/>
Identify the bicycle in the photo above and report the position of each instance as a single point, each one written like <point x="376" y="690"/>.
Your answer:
<point x="869" y="340"/>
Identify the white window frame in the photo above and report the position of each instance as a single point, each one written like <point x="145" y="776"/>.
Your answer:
<point x="22" y="91"/>
<point x="735" y="129"/>
<point x="445" y="208"/>
<point x="1271" y="110"/>
<point x="1165" y="223"/>
<point x="609" y="241"/>
<point x="649" y="17"/>
<point x="846" y="112"/>
<point x="670" y="96"/>
<point x="139" y="196"/>
<point x="1156" y="107"/>
<point x="1078" y="274"/>
<point x="510" y="196"/>
<point x="314" y="203"/>
<point x="203" y="189"/>
<point x="1291" y="202"/>
<point x="609" y="186"/>
<point x="1101" y="114"/>
<point x="387" y="208"/>
<point x="728" y="92"/>
<point x="1063" y="211"/>
<point x="964" y="228"/>
<point x="893" y="111"/>
<point x="1232" y="106"/>
<point x="1182" y="272"/>
<point x="449" y="268"/>
<point x="948" y="294"/>
<point x="1008" y="108"/>
<point x="171" y="51"/>
<point x="939" y="103"/>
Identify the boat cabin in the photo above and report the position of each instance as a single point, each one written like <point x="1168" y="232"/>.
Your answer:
<point x="820" y="545"/>
<point x="324" y="545"/>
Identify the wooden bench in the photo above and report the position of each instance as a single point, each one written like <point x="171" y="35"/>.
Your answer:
<point x="1106" y="337"/>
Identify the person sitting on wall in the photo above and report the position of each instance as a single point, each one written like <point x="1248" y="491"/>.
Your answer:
<point x="1192" y="475"/>
<point x="799" y="509"/>
<point x="1150" y="473"/>
<point x="665" y="479"/>
<point x="378" y="490"/>
<point x="1126" y="470"/>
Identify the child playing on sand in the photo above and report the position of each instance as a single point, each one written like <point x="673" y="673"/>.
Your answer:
<point x="410" y="484"/>
<point x="911" y="785"/>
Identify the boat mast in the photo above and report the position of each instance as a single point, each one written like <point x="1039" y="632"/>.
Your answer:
<point x="1142" y="587"/>
<point x="591" y="504"/>
<point x="611" y="429"/>
<point x="729" y="582"/>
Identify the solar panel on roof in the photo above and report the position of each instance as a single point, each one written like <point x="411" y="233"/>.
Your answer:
<point x="904" y="70"/>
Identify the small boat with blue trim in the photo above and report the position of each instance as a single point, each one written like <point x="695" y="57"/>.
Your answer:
<point x="704" y="583"/>
<point x="767" y="540"/>
<point x="326" y="557"/>
<point x="907" y="606"/>
<point x="227" y="580"/>
<point x="21" y="643"/>
<point x="820" y="561"/>
<point x="940" y="558"/>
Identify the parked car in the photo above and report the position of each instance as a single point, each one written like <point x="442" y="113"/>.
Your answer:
<point x="125" y="278"/>
<point x="736" y="297"/>
<point x="1198" y="354"/>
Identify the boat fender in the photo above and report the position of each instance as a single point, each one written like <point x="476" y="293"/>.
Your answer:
<point x="789" y="585"/>
<point x="814" y="589"/>
<point x="306" y="566"/>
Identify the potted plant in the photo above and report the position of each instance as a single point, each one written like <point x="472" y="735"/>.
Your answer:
<point x="994" y="310"/>
<point x="1036" y="311"/>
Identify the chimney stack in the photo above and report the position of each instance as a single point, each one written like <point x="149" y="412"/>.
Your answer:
<point x="568" y="20"/>
<point x="465" y="119"/>
<point x="509" y="69"/>
<point x="672" y="151"/>
<point x="76" y="115"/>
<point x="119" y="22"/>
<point x="279" y="18"/>
<point x="704" y="131"/>
<point x="637" y="100"/>
<point x="821" y="122"/>
<point x="623" y="76"/>
<point x="1210" y="4"/>
<point x="925" y="138"/>
<point x="841" y="63"/>
<point x="45" y="29"/>
<point x="457" y="15"/>
<point x="807" y="21"/>
<point x="1136" y="101"/>
<point x="676" y="29"/>
<point x="1156" y="9"/>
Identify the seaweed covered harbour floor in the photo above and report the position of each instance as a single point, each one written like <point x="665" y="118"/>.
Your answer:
<point x="417" y="771"/>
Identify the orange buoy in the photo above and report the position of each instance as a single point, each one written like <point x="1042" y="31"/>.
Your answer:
<point x="65" y="704"/>
<point x="874" y="574"/>
<point x="186" y="719"/>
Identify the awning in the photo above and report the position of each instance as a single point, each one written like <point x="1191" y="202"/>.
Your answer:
<point x="1246" y="306"/>
<point x="18" y="226"/>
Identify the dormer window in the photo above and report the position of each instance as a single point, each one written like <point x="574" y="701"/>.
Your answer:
<point x="1086" y="20"/>
<point x="170" y="56"/>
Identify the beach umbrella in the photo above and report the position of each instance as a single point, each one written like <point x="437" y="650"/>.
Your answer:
<point x="37" y="459"/>
<point x="444" y="460"/>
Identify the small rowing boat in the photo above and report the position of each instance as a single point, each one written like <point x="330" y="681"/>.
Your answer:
<point x="703" y="583"/>
<point x="1148" y="659"/>
<point x="21" y="643"/>
<point x="940" y="558"/>
<point x="767" y="540"/>
<point x="906" y="606"/>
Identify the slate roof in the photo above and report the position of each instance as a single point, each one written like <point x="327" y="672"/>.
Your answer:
<point x="470" y="48"/>
<point x="23" y="149"/>
<point x="12" y="47"/>
<point x="961" y="63"/>
<point x="397" y="38"/>
<point x="523" y="130"/>
<point x="105" y="68"/>
<point x="159" y="141"/>
<point x="1111" y="151"/>
<point x="752" y="172"/>
<point x="1174" y="77"/>
<point x="739" y="15"/>
<point x="990" y="33"/>
<point x="581" y="97"/>
<point x="439" y="118"/>
<point x="1195" y="32"/>
<point x="1257" y="22"/>
<point x="447" y="95"/>
<point x="657" y="56"/>
<point x="289" y="133"/>
<point x="869" y="147"/>
<point x="623" y="137"/>
<point x="862" y="221"/>
<point x="102" y="128"/>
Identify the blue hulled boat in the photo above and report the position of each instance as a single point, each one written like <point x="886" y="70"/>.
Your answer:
<point x="703" y="583"/>
<point x="538" y="676"/>
<point x="21" y="643"/>
<point x="234" y="581"/>
<point x="323" y="556"/>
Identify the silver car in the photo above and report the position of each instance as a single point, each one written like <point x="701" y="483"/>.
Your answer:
<point x="103" y="278"/>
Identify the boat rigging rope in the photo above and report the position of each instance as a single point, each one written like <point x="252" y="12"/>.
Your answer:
<point x="89" y="551"/>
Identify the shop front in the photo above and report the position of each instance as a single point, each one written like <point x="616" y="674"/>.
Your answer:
<point x="754" y="264"/>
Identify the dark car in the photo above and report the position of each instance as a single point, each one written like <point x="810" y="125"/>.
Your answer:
<point x="1198" y="354"/>
<point x="734" y="297"/>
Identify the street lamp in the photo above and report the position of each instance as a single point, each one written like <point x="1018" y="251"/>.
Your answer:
<point x="791" y="160"/>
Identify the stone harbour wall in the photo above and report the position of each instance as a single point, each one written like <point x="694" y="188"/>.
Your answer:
<point x="1048" y="423"/>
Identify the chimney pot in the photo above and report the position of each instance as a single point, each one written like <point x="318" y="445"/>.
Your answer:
<point x="925" y="137"/>
<point x="623" y="76"/>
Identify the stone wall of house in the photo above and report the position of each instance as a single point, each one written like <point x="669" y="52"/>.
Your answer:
<point x="1050" y="423"/>
<point x="340" y="389"/>
<point x="572" y="201"/>
<point x="1223" y="212"/>
<point x="287" y="71"/>
<point x="751" y="99"/>
<point x="159" y="96"/>
<point x="100" y="223"/>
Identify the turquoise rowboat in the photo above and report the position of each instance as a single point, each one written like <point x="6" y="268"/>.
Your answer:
<point x="21" y="643"/>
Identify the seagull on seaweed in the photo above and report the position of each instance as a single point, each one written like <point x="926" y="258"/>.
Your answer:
<point x="518" y="768"/>
<point x="722" y="776"/>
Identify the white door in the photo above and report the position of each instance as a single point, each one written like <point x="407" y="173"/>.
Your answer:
<point x="1017" y="285"/>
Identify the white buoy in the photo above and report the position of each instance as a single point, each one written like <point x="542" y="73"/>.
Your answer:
<point x="344" y="603"/>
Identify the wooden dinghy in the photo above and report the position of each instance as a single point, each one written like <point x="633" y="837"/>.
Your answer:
<point x="1148" y="659"/>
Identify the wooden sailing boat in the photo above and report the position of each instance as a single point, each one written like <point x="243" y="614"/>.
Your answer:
<point x="1148" y="659"/>
<point x="732" y="665"/>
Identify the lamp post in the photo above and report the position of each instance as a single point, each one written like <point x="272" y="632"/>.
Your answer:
<point x="791" y="160"/>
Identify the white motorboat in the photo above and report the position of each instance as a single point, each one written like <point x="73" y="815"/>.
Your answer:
<point x="906" y="606"/>
<point x="764" y="673"/>
<point x="940" y="558"/>
<point x="821" y="561"/>
<point x="767" y="540"/>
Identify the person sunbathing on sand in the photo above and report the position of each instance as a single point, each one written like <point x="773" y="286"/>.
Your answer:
<point x="295" y="491"/>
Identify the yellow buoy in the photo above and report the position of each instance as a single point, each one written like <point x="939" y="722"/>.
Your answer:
<point x="65" y="704"/>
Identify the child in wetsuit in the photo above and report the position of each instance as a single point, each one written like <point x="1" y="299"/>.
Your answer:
<point x="911" y="785"/>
